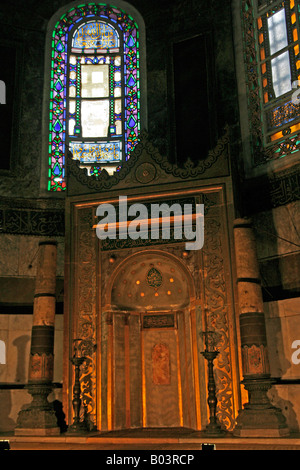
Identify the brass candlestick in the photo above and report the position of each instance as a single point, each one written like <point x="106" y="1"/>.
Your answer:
<point x="77" y="360"/>
<point x="210" y="354"/>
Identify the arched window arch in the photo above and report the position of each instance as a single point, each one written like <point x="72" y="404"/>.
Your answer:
<point x="95" y="92"/>
<point x="272" y="58"/>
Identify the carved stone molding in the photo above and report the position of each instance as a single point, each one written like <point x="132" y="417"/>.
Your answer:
<point x="26" y="217"/>
<point x="147" y="166"/>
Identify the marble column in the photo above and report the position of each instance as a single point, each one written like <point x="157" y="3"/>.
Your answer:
<point x="39" y="417"/>
<point x="259" y="418"/>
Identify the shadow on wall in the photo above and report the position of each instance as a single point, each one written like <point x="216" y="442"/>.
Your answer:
<point x="279" y="366"/>
<point x="6" y="422"/>
<point x="271" y="253"/>
<point x="21" y="345"/>
<point x="60" y="415"/>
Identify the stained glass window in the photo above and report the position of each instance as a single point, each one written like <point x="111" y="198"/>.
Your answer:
<point x="273" y="61"/>
<point x="95" y="90"/>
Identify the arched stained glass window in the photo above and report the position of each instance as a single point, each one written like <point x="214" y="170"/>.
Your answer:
<point x="95" y="90"/>
<point x="271" y="42"/>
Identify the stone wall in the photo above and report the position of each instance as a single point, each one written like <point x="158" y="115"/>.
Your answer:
<point x="283" y="329"/>
<point x="278" y="247"/>
<point x="17" y="280"/>
<point x="15" y="331"/>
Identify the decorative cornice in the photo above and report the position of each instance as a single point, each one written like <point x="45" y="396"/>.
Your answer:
<point x="159" y="169"/>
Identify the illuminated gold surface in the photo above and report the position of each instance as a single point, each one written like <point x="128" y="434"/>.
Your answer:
<point x="110" y="378"/>
<point x="144" y="404"/>
<point x="196" y="368"/>
<point x="127" y="373"/>
<point x="179" y="381"/>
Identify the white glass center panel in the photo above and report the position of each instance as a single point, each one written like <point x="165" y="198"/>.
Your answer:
<point x="94" y="81"/>
<point x="277" y="31"/>
<point x="281" y="74"/>
<point x="95" y="118"/>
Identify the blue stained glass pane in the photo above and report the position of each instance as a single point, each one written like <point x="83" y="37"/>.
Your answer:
<point x="130" y="42"/>
<point x="57" y="126"/>
<point x="131" y="122"/>
<point x="59" y="47"/>
<point x="56" y="170"/>
<point x="131" y="81"/>
<point x="58" y="86"/>
<point x="96" y="152"/>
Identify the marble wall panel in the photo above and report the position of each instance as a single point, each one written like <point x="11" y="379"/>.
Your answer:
<point x="9" y="249"/>
<point x="276" y="230"/>
<point x="19" y="255"/>
<point x="4" y="321"/>
<point x="16" y="332"/>
<point x="283" y="328"/>
<point x="135" y="371"/>
<point x="102" y="383"/>
<point x="286" y="397"/>
<point x="119" y="394"/>
<point x="186" y="369"/>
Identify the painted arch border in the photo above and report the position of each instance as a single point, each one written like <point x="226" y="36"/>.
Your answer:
<point x="134" y="13"/>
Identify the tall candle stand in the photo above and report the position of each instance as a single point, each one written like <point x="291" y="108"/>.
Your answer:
<point x="77" y="360"/>
<point x="213" y="428"/>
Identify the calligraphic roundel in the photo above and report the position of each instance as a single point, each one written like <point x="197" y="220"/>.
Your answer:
<point x="97" y="34"/>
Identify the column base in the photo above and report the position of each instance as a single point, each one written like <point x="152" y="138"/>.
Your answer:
<point x="261" y="423"/>
<point x="37" y="418"/>
<point x="37" y="422"/>
<point x="260" y="418"/>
